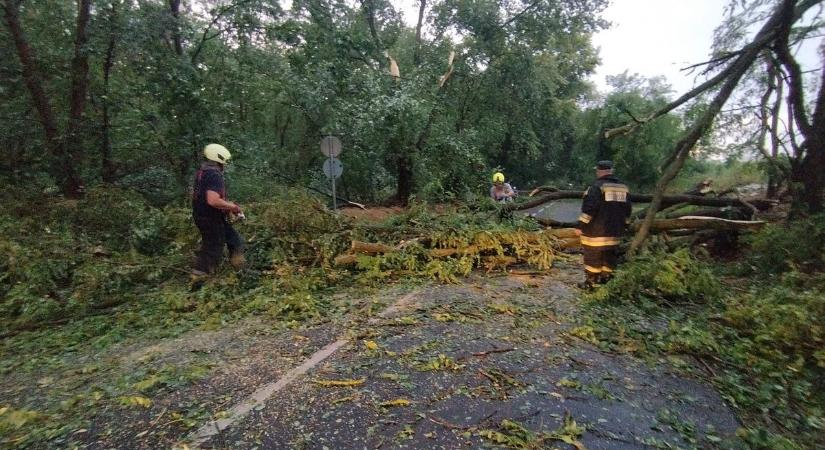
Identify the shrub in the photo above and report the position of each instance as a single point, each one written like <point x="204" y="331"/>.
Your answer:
<point x="798" y="244"/>
<point x="783" y="322"/>
<point x="158" y="186"/>
<point x="106" y="215"/>
<point x="656" y="275"/>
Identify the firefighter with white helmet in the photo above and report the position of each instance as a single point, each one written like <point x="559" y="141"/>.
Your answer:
<point x="210" y="210"/>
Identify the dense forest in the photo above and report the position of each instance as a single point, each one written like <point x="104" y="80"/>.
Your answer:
<point x="127" y="93"/>
<point x="106" y="106"/>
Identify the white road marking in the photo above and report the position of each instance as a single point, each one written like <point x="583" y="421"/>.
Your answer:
<point x="262" y="394"/>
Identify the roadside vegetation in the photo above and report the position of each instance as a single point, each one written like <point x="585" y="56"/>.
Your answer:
<point x="751" y="326"/>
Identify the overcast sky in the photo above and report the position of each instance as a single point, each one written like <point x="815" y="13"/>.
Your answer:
<point x="657" y="37"/>
<point x="654" y="37"/>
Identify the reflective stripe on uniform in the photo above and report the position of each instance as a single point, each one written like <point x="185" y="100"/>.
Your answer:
<point x="614" y="192"/>
<point x="599" y="241"/>
<point x="592" y="269"/>
<point x="614" y="187"/>
<point x="585" y="218"/>
<point x="606" y="269"/>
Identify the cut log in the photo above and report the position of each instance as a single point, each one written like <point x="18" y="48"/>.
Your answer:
<point x="369" y="248"/>
<point x="561" y="233"/>
<point x="555" y="223"/>
<point x="347" y="259"/>
<point x="668" y="200"/>
<point x="704" y="223"/>
<point x="565" y="238"/>
<point x="571" y="242"/>
<point x="732" y="214"/>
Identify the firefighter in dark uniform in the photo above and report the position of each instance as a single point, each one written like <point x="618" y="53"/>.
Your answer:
<point x="605" y="214"/>
<point x="210" y="210"/>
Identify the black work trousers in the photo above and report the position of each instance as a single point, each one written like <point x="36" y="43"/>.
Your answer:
<point x="600" y="261"/>
<point x="215" y="234"/>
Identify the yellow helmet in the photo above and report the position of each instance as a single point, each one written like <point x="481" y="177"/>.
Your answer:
<point x="217" y="153"/>
<point x="498" y="177"/>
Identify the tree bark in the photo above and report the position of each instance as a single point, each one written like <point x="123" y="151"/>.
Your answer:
<point x="699" y="222"/>
<point x="404" y="185"/>
<point x="107" y="172"/>
<point x="808" y="171"/>
<point x="80" y="83"/>
<point x="666" y="200"/>
<point x="174" y="9"/>
<point x="733" y="214"/>
<point x="421" y="8"/>
<point x="62" y="166"/>
<point x="765" y="128"/>
<point x="369" y="15"/>
<point x="814" y="161"/>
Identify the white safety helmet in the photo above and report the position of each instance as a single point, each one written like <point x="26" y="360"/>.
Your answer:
<point x="217" y="153"/>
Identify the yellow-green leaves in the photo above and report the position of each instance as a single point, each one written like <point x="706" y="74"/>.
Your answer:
<point x="16" y="418"/>
<point x="340" y="383"/>
<point x="442" y="362"/>
<point x="396" y="402"/>
<point x="135" y="400"/>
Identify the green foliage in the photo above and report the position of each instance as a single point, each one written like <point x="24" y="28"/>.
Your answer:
<point x="157" y="185"/>
<point x="267" y="82"/>
<point x="13" y="419"/>
<point x="637" y="156"/>
<point x="656" y="275"/>
<point x="795" y="245"/>
<point x="780" y="338"/>
<point x="107" y="215"/>
<point x="475" y="244"/>
<point x="762" y="439"/>
<point x="763" y="335"/>
<point x="724" y="175"/>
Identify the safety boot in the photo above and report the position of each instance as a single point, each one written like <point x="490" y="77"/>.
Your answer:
<point x="590" y="281"/>
<point x="196" y="279"/>
<point x="237" y="259"/>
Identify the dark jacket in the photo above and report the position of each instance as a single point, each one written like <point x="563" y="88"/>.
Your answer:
<point x="605" y="212"/>
<point x="208" y="178"/>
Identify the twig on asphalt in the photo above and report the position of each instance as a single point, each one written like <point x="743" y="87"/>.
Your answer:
<point x="495" y="350"/>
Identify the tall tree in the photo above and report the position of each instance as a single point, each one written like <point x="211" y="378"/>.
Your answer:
<point x="734" y="65"/>
<point x="65" y="149"/>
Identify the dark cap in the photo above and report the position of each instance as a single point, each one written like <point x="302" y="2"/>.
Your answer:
<point x="604" y="164"/>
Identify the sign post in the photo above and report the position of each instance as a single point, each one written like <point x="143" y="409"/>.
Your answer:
<point x="333" y="168"/>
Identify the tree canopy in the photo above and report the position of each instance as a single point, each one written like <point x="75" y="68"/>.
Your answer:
<point x="127" y="92"/>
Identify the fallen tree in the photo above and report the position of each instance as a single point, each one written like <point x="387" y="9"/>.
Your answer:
<point x="498" y="248"/>
<point x="701" y="223"/>
<point x="667" y="200"/>
<point x="487" y="248"/>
